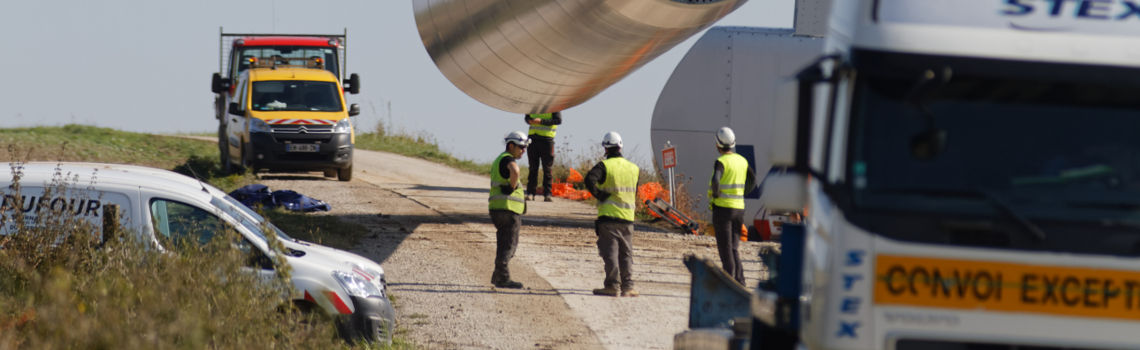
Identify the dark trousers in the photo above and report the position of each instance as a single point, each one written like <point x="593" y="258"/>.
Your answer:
<point x="540" y="152"/>
<point x="727" y="223"/>
<point x="507" y="225"/>
<point x="615" y="245"/>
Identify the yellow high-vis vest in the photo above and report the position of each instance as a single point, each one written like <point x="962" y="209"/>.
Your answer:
<point x="731" y="183"/>
<point x="514" y="201"/>
<point x="543" y="130"/>
<point x="621" y="183"/>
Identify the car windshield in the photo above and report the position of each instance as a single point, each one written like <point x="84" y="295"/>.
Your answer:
<point x="1030" y="150"/>
<point x="295" y="95"/>
<point x="248" y="218"/>
<point x="293" y="54"/>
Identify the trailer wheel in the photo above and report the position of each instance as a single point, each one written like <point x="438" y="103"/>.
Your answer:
<point x="344" y="174"/>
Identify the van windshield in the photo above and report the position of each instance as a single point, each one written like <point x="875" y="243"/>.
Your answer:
<point x="1046" y="160"/>
<point x="248" y="218"/>
<point x="295" y="95"/>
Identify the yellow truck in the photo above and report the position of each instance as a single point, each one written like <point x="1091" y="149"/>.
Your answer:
<point x="288" y="114"/>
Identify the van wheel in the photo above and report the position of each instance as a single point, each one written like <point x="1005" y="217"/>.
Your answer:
<point x="330" y="173"/>
<point x="344" y="174"/>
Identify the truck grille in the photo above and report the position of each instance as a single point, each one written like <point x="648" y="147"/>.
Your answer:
<point x="301" y="129"/>
<point x="910" y="344"/>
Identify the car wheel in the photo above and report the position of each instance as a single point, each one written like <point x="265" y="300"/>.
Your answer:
<point x="344" y="174"/>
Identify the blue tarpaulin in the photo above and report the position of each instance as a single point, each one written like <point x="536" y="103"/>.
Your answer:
<point x="258" y="195"/>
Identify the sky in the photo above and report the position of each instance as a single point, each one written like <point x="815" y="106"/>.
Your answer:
<point x="145" y="66"/>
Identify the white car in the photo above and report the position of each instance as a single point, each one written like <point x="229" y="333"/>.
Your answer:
<point x="346" y="286"/>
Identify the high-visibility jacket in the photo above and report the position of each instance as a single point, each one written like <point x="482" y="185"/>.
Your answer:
<point x="543" y="130"/>
<point x="621" y="184"/>
<point x="498" y="200"/>
<point x="731" y="183"/>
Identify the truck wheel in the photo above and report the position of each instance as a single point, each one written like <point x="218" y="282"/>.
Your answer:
<point x="224" y="151"/>
<point x="330" y="173"/>
<point x="344" y="174"/>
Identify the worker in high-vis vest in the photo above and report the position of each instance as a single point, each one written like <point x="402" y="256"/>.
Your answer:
<point x="613" y="182"/>
<point x="542" y="129"/>
<point x="506" y="204"/>
<point x="731" y="179"/>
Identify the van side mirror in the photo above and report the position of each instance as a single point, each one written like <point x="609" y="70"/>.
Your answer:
<point x="353" y="110"/>
<point x="110" y="223"/>
<point x="234" y="108"/>
<point x="784" y="192"/>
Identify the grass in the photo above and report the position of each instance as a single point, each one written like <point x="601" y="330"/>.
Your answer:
<point x="415" y="146"/>
<point x="67" y="296"/>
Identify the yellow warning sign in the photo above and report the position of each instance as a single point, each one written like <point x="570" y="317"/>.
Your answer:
<point x="967" y="284"/>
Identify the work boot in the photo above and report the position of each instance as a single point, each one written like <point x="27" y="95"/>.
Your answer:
<point x="607" y="291"/>
<point x="629" y="292"/>
<point x="509" y="284"/>
<point x="529" y="197"/>
<point x="548" y="199"/>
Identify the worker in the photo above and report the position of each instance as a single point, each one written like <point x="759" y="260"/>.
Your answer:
<point x="731" y="179"/>
<point x="506" y="204"/>
<point x="613" y="182"/>
<point x="542" y="129"/>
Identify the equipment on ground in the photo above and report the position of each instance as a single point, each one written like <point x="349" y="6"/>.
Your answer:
<point x="673" y="216"/>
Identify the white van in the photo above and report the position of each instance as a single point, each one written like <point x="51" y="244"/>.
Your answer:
<point x="346" y="286"/>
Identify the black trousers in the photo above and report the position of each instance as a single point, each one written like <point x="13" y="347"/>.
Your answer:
<point x="539" y="153"/>
<point x="507" y="225"/>
<point x="615" y="245"/>
<point x="727" y="223"/>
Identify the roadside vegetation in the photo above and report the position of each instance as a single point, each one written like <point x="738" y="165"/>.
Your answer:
<point x="423" y="147"/>
<point x="58" y="289"/>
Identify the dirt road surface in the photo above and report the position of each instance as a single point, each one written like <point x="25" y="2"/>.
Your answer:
<point x="428" y="226"/>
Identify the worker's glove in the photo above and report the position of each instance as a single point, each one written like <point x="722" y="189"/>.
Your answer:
<point x="506" y="188"/>
<point x="602" y="196"/>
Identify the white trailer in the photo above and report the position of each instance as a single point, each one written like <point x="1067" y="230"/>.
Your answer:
<point x="740" y="77"/>
<point x="971" y="174"/>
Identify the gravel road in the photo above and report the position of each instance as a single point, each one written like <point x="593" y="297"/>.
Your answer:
<point x="428" y="226"/>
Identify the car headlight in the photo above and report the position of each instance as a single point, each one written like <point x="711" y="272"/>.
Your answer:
<point x="258" y="125"/>
<point x="357" y="285"/>
<point x="343" y="126"/>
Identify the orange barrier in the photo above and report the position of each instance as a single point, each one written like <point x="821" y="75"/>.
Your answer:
<point x="574" y="177"/>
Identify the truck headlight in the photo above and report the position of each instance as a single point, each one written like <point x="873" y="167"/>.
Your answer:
<point x="356" y="285"/>
<point x="343" y="126"/>
<point x="258" y="125"/>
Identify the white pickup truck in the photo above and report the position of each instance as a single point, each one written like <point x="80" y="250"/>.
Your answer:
<point x="157" y="204"/>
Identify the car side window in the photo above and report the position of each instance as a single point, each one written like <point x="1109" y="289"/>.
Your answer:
<point x="179" y="223"/>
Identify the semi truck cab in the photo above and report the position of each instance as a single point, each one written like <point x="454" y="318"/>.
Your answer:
<point x="970" y="179"/>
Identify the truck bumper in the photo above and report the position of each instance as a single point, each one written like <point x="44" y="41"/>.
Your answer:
<point x="272" y="152"/>
<point x="374" y="320"/>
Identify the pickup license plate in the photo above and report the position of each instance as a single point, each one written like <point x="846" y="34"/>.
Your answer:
<point x="302" y="147"/>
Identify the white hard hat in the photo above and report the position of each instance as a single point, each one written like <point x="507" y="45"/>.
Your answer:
<point x="611" y="139"/>
<point x="516" y="137"/>
<point x="725" y="138"/>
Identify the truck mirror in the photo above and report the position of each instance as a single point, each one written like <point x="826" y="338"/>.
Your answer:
<point x="783" y="192"/>
<point x="353" y="83"/>
<point x="353" y="110"/>
<point x="219" y="84"/>
<point x="110" y="223"/>
<point x="234" y="108"/>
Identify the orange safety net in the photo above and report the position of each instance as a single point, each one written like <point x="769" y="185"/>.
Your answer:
<point x="575" y="177"/>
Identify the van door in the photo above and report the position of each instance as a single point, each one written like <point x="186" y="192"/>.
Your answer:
<point x="236" y="125"/>
<point x="177" y="223"/>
